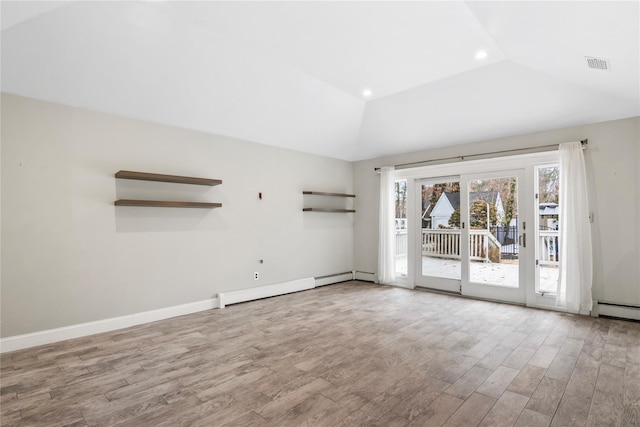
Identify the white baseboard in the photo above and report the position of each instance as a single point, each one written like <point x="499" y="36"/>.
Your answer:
<point x="233" y="297"/>
<point x="366" y="277"/>
<point x="19" y="342"/>
<point x="334" y="278"/>
<point x="613" y="310"/>
<point x="49" y="336"/>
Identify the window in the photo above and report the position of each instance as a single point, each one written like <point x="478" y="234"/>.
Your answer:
<point x="401" y="227"/>
<point x="548" y="216"/>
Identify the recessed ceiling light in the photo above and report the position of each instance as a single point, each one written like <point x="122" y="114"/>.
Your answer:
<point x="481" y="54"/>
<point x="366" y="93"/>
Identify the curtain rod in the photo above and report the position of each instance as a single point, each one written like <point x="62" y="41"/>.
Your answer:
<point x="584" y="143"/>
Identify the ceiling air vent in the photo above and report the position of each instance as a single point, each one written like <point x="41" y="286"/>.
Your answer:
<point x="597" y="63"/>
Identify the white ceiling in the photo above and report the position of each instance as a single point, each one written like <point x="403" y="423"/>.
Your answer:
<point x="291" y="74"/>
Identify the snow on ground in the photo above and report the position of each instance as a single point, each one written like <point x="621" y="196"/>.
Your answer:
<point x="505" y="273"/>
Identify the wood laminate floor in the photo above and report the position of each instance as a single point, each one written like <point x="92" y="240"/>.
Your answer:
<point x="351" y="354"/>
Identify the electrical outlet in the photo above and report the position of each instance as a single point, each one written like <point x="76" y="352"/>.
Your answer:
<point x="256" y="276"/>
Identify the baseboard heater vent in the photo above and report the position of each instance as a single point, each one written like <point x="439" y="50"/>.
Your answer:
<point x="334" y="278"/>
<point x="623" y="311"/>
<point x="365" y="276"/>
<point x="234" y="297"/>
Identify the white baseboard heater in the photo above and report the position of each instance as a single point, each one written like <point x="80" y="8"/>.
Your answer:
<point x="234" y="297"/>
<point x="334" y="278"/>
<point x="623" y="311"/>
<point x="365" y="276"/>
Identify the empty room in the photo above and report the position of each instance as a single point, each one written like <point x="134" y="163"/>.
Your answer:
<point x="320" y="213"/>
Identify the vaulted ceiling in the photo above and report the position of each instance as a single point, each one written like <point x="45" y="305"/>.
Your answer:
<point x="292" y="74"/>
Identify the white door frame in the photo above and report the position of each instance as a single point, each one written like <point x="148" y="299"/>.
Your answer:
<point x="528" y="162"/>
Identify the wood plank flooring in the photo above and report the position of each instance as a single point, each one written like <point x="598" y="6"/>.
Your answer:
<point x="351" y="354"/>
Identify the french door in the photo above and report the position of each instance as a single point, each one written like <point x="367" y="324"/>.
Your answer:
<point x="473" y="235"/>
<point x="495" y="232"/>
<point x="439" y="260"/>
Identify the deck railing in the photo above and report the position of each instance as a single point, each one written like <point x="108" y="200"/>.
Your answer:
<point x="401" y="242"/>
<point x="444" y="243"/>
<point x="549" y="252"/>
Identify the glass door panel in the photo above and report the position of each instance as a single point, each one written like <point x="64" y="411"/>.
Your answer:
<point x="494" y="234"/>
<point x="440" y="255"/>
<point x="548" y="234"/>
<point x="493" y="219"/>
<point x="401" y="252"/>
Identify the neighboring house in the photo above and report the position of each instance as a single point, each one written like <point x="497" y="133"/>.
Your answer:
<point x="426" y="213"/>
<point x="549" y="214"/>
<point x="449" y="202"/>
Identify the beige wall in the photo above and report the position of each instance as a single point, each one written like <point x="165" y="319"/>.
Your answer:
<point x="70" y="256"/>
<point x="612" y="160"/>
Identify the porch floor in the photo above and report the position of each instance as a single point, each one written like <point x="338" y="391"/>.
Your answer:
<point x="504" y="273"/>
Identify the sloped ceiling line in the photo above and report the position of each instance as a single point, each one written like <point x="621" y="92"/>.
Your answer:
<point x="291" y="74"/>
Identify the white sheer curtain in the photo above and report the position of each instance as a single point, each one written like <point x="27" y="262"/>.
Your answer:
<point x="386" y="227"/>
<point x="576" y="262"/>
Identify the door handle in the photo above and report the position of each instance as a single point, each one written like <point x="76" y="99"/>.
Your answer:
<point x="522" y="240"/>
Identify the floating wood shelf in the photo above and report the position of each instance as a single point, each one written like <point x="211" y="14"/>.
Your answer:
<point x="320" y="193"/>
<point x="166" y="204"/>
<point x="326" y="210"/>
<point x="144" y="176"/>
